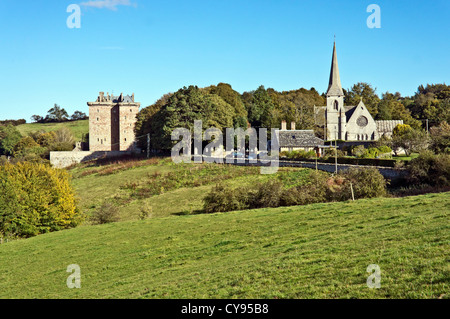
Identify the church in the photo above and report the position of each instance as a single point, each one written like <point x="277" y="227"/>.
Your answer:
<point x="350" y="123"/>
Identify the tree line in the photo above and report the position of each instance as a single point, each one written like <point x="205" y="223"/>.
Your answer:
<point x="57" y="114"/>
<point x="221" y="106"/>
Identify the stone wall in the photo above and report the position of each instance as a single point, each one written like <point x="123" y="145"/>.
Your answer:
<point x="66" y="159"/>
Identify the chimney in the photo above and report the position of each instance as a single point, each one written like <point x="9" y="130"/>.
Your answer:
<point x="293" y="125"/>
<point x="283" y="125"/>
<point x="121" y="97"/>
<point x="132" y="97"/>
<point x="102" y="94"/>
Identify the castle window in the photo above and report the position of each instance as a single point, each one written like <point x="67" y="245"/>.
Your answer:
<point x="336" y="105"/>
<point x="97" y="119"/>
<point x="125" y="139"/>
<point x="131" y="111"/>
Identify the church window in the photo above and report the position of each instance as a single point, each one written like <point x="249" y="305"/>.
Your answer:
<point x="362" y="121"/>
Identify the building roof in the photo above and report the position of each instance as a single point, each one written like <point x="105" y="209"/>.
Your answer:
<point x="387" y="126"/>
<point x="298" y="138"/>
<point x="126" y="99"/>
<point x="334" y="85"/>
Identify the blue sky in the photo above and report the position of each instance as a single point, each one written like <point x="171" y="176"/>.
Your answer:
<point x="155" y="47"/>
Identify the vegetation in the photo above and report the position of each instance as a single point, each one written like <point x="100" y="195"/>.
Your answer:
<point x="35" y="199"/>
<point x="107" y="213"/>
<point x="317" y="188"/>
<point x="315" y="251"/>
<point x="79" y="129"/>
<point x="431" y="169"/>
<point x="57" y="114"/>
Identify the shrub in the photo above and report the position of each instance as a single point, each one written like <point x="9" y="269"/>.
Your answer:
<point x="384" y="149"/>
<point x="358" y="151"/>
<point x="267" y="195"/>
<point x="430" y="169"/>
<point x="366" y="182"/>
<point x="106" y="213"/>
<point x="36" y="199"/>
<point x="223" y="199"/>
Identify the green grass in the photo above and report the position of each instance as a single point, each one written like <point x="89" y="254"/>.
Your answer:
<point x="406" y="158"/>
<point x="180" y="193"/>
<point x="314" y="251"/>
<point x="78" y="128"/>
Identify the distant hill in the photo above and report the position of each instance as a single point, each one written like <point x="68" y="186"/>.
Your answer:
<point x="79" y="128"/>
<point x="314" y="251"/>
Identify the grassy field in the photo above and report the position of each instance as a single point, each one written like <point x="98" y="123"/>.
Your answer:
<point x="314" y="251"/>
<point x="163" y="187"/>
<point x="77" y="127"/>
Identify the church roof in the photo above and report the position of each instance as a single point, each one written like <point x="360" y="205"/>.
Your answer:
<point x="334" y="85"/>
<point x="387" y="126"/>
<point x="349" y="110"/>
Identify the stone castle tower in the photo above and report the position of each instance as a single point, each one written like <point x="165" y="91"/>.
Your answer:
<point x="111" y="123"/>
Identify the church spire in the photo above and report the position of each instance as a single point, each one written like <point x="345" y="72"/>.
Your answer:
<point x="334" y="86"/>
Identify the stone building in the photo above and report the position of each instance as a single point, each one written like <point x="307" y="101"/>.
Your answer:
<point x="111" y="123"/>
<point x="349" y="123"/>
<point x="295" y="140"/>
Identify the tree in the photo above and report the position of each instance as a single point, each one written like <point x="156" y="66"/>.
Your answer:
<point x="432" y="102"/>
<point x="25" y="146"/>
<point x="260" y="109"/>
<point x="78" y="116"/>
<point x="36" y="199"/>
<point x="9" y="137"/>
<point x="37" y="118"/>
<point x="181" y="110"/>
<point x="440" y="138"/>
<point x="363" y="91"/>
<point x="391" y="108"/>
<point x="56" y="114"/>
<point x="226" y="92"/>
<point x="408" y="139"/>
<point x="63" y="140"/>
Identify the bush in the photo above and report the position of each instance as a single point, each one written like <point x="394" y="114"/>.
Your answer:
<point x="358" y="151"/>
<point x="430" y="169"/>
<point x="107" y="213"/>
<point x="266" y="195"/>
<point x="222" y="199"/>
<point x="36" y="199"/>
<point x="366" y="182"/>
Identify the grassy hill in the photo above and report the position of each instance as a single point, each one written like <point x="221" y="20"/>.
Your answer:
<point x="314" y="251"/>
<point x="77" y="127"/>
<point x="180" y="188"/>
